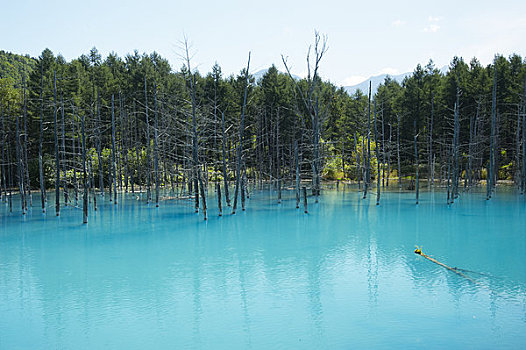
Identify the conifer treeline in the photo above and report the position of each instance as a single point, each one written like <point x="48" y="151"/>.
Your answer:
<point x="134" y="124"/>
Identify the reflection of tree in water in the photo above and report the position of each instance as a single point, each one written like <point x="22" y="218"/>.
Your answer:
<point x="372" y="258"/>
<point x="315" y="305"/>
<point x="241" y="266"/>
<point x="196" y="291"/>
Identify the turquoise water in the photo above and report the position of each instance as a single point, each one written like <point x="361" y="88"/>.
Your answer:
<point x="342" y="277"/>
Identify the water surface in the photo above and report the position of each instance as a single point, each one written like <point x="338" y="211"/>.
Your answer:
<point x="343" y="276"/>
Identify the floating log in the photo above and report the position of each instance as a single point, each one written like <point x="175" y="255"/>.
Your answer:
<point x="418" y="251"/>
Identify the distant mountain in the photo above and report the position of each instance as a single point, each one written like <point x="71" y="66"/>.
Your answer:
<point x="379" y="79"/>
<point x="260" y="73"/>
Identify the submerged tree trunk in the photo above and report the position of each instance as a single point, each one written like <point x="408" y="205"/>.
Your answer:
<point x="74" y="155"/>
<point x="296" y="160"/>
<point x="377" y="153"/>
<point x="305" y="199"/>
<point x="367" y="179"/>
<point x="491" y="165"/>
<point x="63" y="146"/>
<point x="383" y="148"/>
<point x="417" y="185"/>
<point x="195" y="144"/>
<point x="431" y="175"/>
<point x="389" y="155"/>
<point x="278" y="165"/>
<point x="113" y="149"/>
<point x="219" y="206"/>
<point x="27" y="186"/>
<point x="156" y="151"/>
<point x="99" y="147"/>
<point x="20" y="166"/>
<point x="449" y="176"/>
<point x="40" y="141"/>
<point x="358" y="165"/>
<point x="456" y="147"/>
<point x="203" y="196"/>
<point x="517" y="168"/>
<point x="3" y="146"/>
<point x="84" y="176"/>
<point x="241" y="132"/>
<point x="148" y="156"/>
<point x="398" y="151"/>
<point x="523" y="188"/>
<point x="57" y="164"/>
<point x="225" y="175"/>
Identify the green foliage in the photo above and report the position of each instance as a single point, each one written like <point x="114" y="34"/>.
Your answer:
<point x="87" y="84"/>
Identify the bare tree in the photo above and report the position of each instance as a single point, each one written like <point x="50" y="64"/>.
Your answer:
<point x="241" y="132"/>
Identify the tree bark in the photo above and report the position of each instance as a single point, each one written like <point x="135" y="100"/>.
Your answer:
<point x="241" y="132"/>
<point x="57" y="162"/>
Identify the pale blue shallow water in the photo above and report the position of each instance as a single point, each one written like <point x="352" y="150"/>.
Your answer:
<point x="342" y="277"/>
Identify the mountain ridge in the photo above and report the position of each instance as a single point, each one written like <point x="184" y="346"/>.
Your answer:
<point x="376" y="80"/>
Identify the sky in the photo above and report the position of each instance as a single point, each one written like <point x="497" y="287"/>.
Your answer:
<point x="365" y="38"/>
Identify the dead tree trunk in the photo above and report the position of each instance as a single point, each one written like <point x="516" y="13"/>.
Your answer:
<point x="296" y="160"/>
<point x="113" y="148"/>
<point x="517" y="173"/>
<point x="343" y="158"/>
<point x="311" y="102"/>
<point x="27" y="186"/>
<point x="305" y="199"/>
<point x="241" y="132"/>
<point x="278" y="165"/>
<point x="203" y="196"/>
<point x="40" y="141"/>
<point x="195" y="144"/>
<point x="358" y="165"/>
<point x="219" y="206"/>
<point x="20" y="166"/>
<point x="148" y="156"/>
<point x="125" y="139"/>
<point x="456" y="147"/>
<point x="398" y="151"/>
<point x="389" y="155"/>
<point x="243" y="191"/>
<point x="431" y="175"/>
<point x="449" y="159"/>
<point x="99" y="146"/>
<point x="383" y="149"/>
<point x="491" y="165"/>
<point x="417" y="185"/>
<point x="156" y="151"/>
<point x="9" y="171"/>
<point x="377" y="152"/>
<point x="3" y="144"/>
<point x="57" y="163"/>
<point x="63" y="144"/>
<point x="472" y="140"/>
<point x="367" y="180"/>
<point x="523" y="187"/>
<point x="74" y="155"/>
<point x="225" y="175"/>
<point x="84" y="176"/>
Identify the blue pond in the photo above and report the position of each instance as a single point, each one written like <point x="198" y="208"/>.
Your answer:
<point x="343" y="276"/>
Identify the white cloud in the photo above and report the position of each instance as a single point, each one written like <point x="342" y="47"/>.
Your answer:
<point x="434" y="19"/>
<point x="432" y="28"/>
<point x="398" y="23"/>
